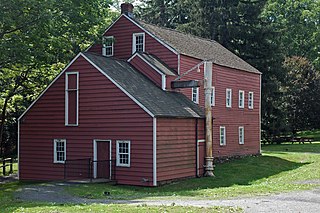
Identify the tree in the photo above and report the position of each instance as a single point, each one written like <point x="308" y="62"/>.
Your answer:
<point x="36" y="38"/>
<point x="301" y="94"/>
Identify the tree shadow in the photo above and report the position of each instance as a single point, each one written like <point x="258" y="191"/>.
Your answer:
<point x="313" y="147"/>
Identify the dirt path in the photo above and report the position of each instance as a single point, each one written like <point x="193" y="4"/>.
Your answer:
<point x="301" y="201"/>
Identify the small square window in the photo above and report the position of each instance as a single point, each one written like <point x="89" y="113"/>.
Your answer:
<point x="222" y="136"/>
<point x="250" y="100"/>
<point x="107" y="45"/>
<point x="195" y="94"/>
<point x="123" y="153"/>
<point x="59" y="150"/>
<point x="241" y="99"/>
<point x="228" y="97"/>
<point x="241" y="135"/>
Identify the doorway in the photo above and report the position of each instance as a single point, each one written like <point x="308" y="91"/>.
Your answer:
<point x="102" y="159"/>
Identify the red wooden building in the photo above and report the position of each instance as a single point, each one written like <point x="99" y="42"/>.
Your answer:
<point x="113" y="113"/>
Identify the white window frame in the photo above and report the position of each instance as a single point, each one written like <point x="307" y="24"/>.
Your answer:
<point x="118" y="153"/>
<point x="241" y="101"/>
<point x="55" y="156"/>
<point x="229" y="105"/>
<point x="134" y="45"/>
<point x="224" y="141"/>
<point x="213" y="97"/>
<point x="195" y="91"/>
<point x="250" y="100"/>
<point x="104" y="47"/>
<point x="67" y="97"/>
<point x="241" y="135"/>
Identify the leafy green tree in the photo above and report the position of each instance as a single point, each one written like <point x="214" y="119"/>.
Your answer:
<point x="36" y="38"/>
<point x="301" y="94"/>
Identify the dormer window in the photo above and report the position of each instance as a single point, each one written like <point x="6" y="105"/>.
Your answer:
<point x="107" y="46"/>
<point x="138" y="42"/>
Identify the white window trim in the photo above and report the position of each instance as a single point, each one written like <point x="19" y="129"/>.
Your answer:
<point x="241" y="104"/>
<point x="223" y="143"/>
<point x="67" y="101"/>
<point x="134" y="35"/>
<point x="104" y="51"/>
<point x="229" y="90"/>
<point x="213" y="97"/>
<point x="118" y="154"/>
<point x="55" y="150"/>
<point x="250" y="106"/>
<point x="241" y="128"/>
<point x="197" y="95"/>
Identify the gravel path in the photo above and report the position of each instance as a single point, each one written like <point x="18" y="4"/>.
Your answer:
<point x="301" y="201"/>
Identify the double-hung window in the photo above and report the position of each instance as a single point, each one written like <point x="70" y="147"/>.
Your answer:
<point x="212" y="98"/>
<point x="195" y="94"/>
<point x="107" y="45"/>
<point x="59" y="153"/>
<point x="123" y="153"/>
<point x="241" y="99"/>
<point x="228" y="97"/>
<point x="222" y="136"/>
<point x="250" y="100"/>
<point x="138" y="42"/>
<point x="241" y="135"/>
<point x="72" y="99"/>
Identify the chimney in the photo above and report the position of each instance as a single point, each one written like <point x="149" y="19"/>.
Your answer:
<point x="127" y="8"/>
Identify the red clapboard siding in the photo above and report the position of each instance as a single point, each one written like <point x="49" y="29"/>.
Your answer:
<point x="105" y="112"/>
<point x="176" y="148"/>
<point x="234" y="117"/>
<point x="122" y="31"/>
<point x="148" y="71"/>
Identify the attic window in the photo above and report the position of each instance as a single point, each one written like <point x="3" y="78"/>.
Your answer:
<point x="71" y="99"/>
<point x="107" y="45"/>
<point x="138" y="42"/>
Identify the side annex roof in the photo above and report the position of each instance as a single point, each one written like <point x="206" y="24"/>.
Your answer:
<point x="160" y="103"/>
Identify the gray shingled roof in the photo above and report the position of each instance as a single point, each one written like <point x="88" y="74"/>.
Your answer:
<point x="157" y="63"/>
<point x="197" y="47"/>
<point x="160" y="103"/>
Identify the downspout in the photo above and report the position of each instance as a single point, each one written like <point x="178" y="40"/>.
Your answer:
<point x="197" y="150"/>
<point x="208" y="114"/>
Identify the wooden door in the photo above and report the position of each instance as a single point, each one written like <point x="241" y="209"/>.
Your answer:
<point x="103" y="159"/>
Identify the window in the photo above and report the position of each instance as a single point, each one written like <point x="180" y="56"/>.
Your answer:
<point x="241" y="99"/>
<point x="107" y="45"/>
<point x="228" y="97"/>
<point x="71" y="99"/>
<point x="123" y="153"/>
<point x="195" y="94"/>
<point x="222" y="136"/>
<point x="59" y="153"/>
<point x="250" y="100"/>
<point x="212" y="98"/>
<point x="241" y="135"/>
<point x="138" y="42"/>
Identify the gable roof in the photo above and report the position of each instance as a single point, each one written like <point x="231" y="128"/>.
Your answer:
<point x="196" y="47"/>
<point x="160" y="103"/>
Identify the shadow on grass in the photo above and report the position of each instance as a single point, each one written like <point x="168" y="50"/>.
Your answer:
<point x="237" y="172"/>
<point x="289" y="147"/>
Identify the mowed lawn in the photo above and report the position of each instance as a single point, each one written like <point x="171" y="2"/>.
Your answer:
<point x="281" y="168"/>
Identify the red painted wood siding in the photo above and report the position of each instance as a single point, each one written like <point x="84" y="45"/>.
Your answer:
<point x="176" y="148"/>
<point x="234" y="117"/>
<point x="148" y="71"/>
<point x="123" y="30"/>
<point x="105" y="113"/>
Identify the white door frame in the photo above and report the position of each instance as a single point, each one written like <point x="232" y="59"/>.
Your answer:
<point x="95" y="156"/>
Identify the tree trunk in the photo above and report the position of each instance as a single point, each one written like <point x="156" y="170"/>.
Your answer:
<point x="2" y="123"/>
